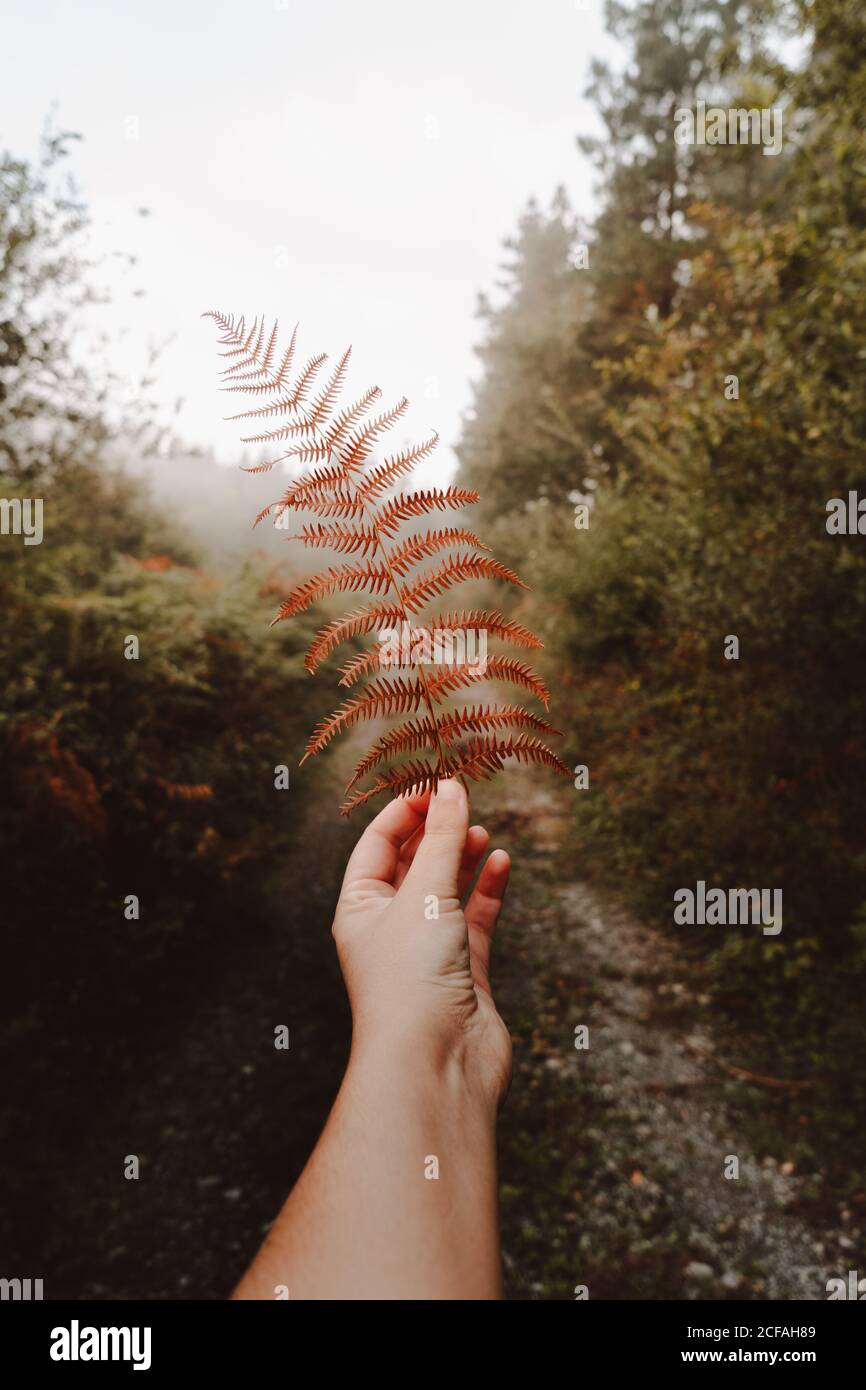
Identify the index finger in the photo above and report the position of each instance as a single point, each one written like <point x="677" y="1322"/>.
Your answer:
<point x="378" y="851"/>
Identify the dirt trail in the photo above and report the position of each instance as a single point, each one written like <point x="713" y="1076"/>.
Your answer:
<point x="612" y="1159"/>
<point x="650" y="1212"/>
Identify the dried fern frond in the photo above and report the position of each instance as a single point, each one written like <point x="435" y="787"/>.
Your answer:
<point x="351" y="494"/>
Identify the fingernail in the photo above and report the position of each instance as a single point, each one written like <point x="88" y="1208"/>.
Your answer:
<point x="448" y="790"/>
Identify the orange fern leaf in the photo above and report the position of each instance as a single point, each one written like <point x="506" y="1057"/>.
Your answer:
<point x="450" y="678"/>
<point x="379" y="698"/>
<point x="411" y="504"/>
<point x="492" y="624"/>
<point x="416" y="734"/>
<point x="286" y="364"/>
<point x="250" y="355"/>
<point x="360" y="666"/>
<point x="338" y="537"/>
<point x="263" y="361"/>
<point x="381" y="477"/>
<point x="325" y="401"/>
<point x="422" y="547"/>
<point x="453" y="571"/>
<point x="410" y="779"/>
<point x="418" y="662"/>
<point x="355" y="624"/>
<point x="316" y="481"/>
<point x="361" y="444"/>
<point x="332" y="581"/>
<point x="283" y="403"/>
<point x="481" y="717"/>
<point x="410" y="737"/>
<point x="260" y="467"/>
<point x="481" y="621"/>
<point x="349" y="417"/>
<point x="481" y="756"/>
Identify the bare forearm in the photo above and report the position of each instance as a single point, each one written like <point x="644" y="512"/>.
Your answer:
<point x="399" y="1199"/>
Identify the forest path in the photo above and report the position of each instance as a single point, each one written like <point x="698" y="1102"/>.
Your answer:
<point x="613" y="1158"/>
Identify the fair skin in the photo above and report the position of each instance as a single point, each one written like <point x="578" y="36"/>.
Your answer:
<point x="429" y="1067"/>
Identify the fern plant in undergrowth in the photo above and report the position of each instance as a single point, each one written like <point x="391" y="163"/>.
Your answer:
<point x="423" y="661"/>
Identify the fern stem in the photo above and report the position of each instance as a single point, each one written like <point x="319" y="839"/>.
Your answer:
<point x="398" y="594"/>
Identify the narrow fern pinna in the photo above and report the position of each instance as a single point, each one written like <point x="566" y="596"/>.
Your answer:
<point x="362" y="514"/>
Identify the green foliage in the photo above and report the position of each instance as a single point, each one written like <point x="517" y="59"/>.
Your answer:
<point x="708" y="516"/>
<point x="155" y="776"/>
<point x="512" y="445"/>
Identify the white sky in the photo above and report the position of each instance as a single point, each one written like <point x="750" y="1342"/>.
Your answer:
<point x="352" y="165"/>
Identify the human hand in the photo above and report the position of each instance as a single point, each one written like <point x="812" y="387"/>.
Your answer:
<point x="415" y="961"/>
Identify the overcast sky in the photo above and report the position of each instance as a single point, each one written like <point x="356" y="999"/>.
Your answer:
<point x="352" y="165"/>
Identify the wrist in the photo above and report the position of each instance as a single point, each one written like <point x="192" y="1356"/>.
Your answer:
<point x="422" y="1070"/>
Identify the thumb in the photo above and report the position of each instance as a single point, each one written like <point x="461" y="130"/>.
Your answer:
<point x="437" y="862"/>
